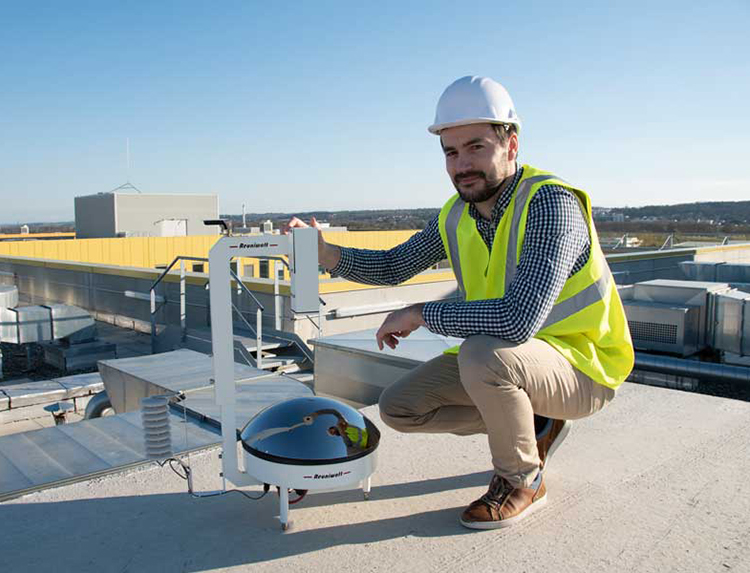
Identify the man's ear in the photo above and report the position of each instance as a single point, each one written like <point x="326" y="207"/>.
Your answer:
<point x="512" y="147"/>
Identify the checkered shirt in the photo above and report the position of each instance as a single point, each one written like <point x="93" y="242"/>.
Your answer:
<point x="555" y="247"/>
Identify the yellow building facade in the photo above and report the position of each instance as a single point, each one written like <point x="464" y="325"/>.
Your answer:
<point x="158" y="252"/>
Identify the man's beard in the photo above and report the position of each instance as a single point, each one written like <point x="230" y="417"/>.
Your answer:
<point x="476" y="195"/>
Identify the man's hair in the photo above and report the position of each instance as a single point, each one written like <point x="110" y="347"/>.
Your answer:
<point x="504" y="131"/>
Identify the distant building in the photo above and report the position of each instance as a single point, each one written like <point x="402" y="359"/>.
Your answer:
<point x="329" y="229"/>
<point x="607" y="214"/>
<point x="633" y="242"/>
<point x="107" y="215"/>
<point x="171" y="228"/>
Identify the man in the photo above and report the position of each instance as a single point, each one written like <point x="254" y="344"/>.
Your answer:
<point x="545" y="332"/>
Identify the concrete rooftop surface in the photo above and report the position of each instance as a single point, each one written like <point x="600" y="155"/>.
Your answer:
<point x="657" y="482"/>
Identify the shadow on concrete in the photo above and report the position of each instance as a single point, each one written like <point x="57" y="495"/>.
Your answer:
<point x="175" y="532"/>
<point x="402" y="490"/>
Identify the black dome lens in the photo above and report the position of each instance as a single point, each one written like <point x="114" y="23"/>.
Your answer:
<point x="310" y="431"/>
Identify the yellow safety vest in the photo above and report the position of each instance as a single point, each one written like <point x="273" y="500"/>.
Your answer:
<point x="587" y="324"/>
<point x="357" y="436"/>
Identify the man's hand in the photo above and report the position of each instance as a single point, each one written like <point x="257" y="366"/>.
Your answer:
<point x="328" y="255"/>
<point x="399" y="324"/>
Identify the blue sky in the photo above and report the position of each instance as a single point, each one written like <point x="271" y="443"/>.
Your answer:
<point x="324" y="105"/>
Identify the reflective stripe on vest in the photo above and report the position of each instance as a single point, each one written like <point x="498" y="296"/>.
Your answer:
<point x="576" y="303"/>
<point x="563" y="309"/>
<point x="522" y="195"/>
<point x="451" y="227"/>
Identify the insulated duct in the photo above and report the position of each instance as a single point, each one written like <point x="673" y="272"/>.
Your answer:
<point x="692" y="368"/>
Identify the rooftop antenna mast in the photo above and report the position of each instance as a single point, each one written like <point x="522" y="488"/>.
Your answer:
<point x="127" y="184"/>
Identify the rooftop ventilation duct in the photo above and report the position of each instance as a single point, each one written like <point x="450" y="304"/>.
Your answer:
<point x="731" y="324"/>
<point x="685" y="317"/>
<point x="671" y="316"/>
<point x="718" y="272"/>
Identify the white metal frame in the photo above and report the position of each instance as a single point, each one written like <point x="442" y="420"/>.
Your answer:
<point x="301" y="246"/>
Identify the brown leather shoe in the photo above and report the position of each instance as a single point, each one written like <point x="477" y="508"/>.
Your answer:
<point x="504" y="505"/>
<point x="550" y="438"/>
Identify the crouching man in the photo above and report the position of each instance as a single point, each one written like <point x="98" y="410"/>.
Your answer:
<point x="546" y="339"/>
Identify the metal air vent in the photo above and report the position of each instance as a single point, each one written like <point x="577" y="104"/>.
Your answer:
<point x="664" y="327"/>
<point x="653" y="332"/>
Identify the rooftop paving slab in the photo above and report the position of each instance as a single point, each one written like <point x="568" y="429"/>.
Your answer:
<point x="81" y="384"/>
<point x="656" y="482"/>
<point x="30" y="393"/>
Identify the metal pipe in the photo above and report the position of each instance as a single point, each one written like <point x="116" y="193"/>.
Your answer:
<point x="173" y="263"/>
<point x="152" y="293"/>
<point x="183" y="313"/>
<point x="153" y="320"/>
<point x="242" y="317"/>
<point x="276" y="297"/>
<point x="259" y="340"/>
<point x="241" y="286"/>
<point x="692" y="368"/>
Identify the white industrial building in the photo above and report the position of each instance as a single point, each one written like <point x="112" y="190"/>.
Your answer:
<point x="144" y="215"/>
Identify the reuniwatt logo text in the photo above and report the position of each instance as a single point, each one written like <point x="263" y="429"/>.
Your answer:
<point x="253" y="245"/>
<point x="327" y="476"/>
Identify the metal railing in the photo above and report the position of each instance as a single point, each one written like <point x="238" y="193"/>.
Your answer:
<point x="668" y="243"/>
<point x="241" y="287"/>
<point x="152" y="297"/>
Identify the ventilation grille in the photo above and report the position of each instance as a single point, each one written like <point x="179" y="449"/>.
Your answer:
<point x="653" y="332"/>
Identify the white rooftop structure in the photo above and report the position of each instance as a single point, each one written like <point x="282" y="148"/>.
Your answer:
<point x="117" y="214"/>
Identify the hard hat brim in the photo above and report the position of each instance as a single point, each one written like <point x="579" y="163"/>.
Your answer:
<point x="436" y="128"/>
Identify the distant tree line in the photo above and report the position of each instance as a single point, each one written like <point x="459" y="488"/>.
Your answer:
<point x="729" y="212"/>
<point x="61" y="227"/>
<point x="371" y="220"/>
<point x="670" y="227"/>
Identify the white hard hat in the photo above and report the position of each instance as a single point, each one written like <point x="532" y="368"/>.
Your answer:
<point x="474" y="99"/>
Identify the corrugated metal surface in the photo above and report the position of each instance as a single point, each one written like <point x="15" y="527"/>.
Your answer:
<point x="143" y="252"/>
<point x="8" y="296"/>
<point x="148" y="252"/>
<point x="54" y="456"/>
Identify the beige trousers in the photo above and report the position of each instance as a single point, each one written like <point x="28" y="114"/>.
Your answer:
<point x="494" y="387"/>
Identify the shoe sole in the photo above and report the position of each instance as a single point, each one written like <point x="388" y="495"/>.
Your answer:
<point x="556" y="444"/>
<point x="506" y="522"/>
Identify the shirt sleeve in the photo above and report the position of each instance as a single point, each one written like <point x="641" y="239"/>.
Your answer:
<point x="393" y="266"/>
<point x="556" y="236"/>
